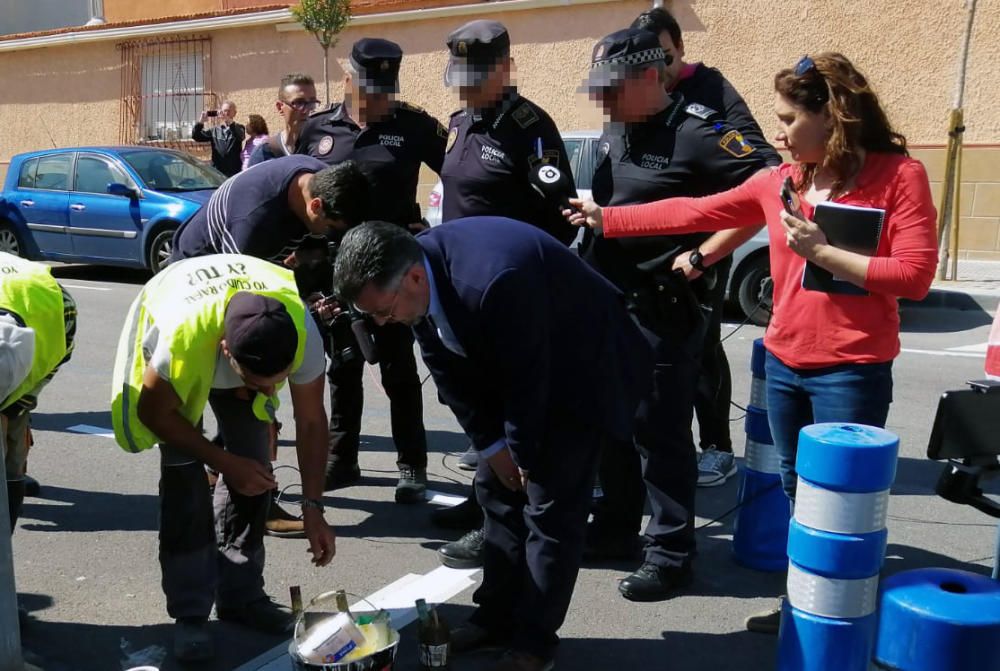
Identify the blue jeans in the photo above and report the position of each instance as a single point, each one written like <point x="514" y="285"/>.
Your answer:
<point x="859" y="393"/>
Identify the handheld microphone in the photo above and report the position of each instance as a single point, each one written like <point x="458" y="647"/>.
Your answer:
<point x="553" y="185"/>
<point x="363" y="334"/>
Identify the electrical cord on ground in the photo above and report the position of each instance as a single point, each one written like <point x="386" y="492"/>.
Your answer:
<point x="732" y="510"/>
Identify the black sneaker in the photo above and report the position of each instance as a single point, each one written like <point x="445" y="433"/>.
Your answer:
<point x="412" y="485"/>
<point x="192" y="641"/>
<point x="263" y="615"/>
<point x="466" y="516"/>
<point x="470" y="460"/>
<point x="31" y="486"/>
<point x="341" y="475"/>
<point x="656" y="583"/>
<point x="466" y="552"/>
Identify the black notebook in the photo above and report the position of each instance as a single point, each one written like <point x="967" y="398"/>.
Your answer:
<point x="849" y="227"/>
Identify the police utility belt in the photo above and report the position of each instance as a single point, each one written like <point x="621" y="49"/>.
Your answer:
<point x="664" y="301"/>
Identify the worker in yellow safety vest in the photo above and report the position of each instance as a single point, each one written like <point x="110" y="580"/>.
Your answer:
<point x="226" y="331"/>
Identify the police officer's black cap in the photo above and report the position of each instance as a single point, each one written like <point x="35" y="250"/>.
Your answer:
<point x="376" y="62"/>
<point x="259" y="333"/>
<point x="620" y="54"/>
<point x="475" y="49"/>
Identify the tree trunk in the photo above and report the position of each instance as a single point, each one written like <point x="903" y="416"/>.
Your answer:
<point x="326" y="74"/>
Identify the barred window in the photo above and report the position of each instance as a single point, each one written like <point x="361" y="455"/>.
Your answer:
<point x="165" y="87"/>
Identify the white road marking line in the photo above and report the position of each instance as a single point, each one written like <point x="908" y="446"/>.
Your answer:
<point x="398" y="599"/>
<point x="92" y="430"/>
<point x="941" y="352"/>
<point x="83" y="286"/>
<point x="442" y="499"/>
<point x="979" y="348"/>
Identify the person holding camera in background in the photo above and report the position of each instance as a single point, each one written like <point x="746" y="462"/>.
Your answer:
<point x="226" y="137"/>
<point x="389" y="139"/>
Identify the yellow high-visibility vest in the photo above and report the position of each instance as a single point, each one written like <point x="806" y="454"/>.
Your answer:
<point x="28" y="290"/>
<point x="187" y="304"/>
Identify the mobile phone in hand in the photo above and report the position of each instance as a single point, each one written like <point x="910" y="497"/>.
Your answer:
<point x="790" y="199"/>
<point x="212" y="113"/>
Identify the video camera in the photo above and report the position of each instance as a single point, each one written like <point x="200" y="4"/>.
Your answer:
<point x="347" y="332"/>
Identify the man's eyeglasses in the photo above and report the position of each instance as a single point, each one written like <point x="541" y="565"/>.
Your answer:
<point x="386" y="314"/>
<point x="805" y="64"/>
<point x="303" y="105"/>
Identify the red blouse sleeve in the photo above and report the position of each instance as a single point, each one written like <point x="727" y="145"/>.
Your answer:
<point x="740" y="206"/>
<point x="908" y="268"/>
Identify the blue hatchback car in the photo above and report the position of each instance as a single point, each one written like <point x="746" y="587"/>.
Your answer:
<point x="107" y="205"/>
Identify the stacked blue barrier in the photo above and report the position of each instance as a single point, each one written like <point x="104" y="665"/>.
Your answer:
<point x="836" y="547"/>
<point x="760" y="535"/>
<point x="938" y="620"/>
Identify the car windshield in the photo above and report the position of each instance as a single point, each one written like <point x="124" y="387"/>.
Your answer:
<point x="170" y="171"/>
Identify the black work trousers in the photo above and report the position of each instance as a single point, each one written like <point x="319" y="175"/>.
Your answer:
<point x="402" y="385"/>
<point x="534" y="539"/>
<point x="715" y="384"/>
<point x="661" y="463"/>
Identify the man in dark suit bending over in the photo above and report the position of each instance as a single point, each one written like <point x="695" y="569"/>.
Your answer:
<point x="535" y="354"/>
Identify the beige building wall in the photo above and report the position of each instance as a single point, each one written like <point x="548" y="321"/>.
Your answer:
<point x="68" y="95"/>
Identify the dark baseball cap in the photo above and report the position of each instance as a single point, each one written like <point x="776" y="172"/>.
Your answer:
<point x="377" y="63"/>
<point x="621" y="54"/>
<point x="475" y="49"/>
<point x="260" y="333"/>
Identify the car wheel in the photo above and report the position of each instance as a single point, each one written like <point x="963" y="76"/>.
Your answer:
<point x="9" y="241"/>
<point x="755" y="291"/>
<point x="160" y="250"/>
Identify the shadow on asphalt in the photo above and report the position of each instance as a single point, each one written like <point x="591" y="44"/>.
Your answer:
<point x="60" y="421"/>
<point x="84" y="511"/>
<point x="943" y="320"/>
<point x="71" y="646"/>
<point x="905" y="558"/>
<point x="101" y="274"/>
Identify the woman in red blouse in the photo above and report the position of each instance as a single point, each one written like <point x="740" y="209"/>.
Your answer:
<point x="829" y="354"/>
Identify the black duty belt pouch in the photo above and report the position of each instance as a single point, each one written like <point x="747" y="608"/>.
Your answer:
<point x="665" y="302"/>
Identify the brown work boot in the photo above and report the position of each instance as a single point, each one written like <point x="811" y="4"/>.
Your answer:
<point x="281" y="523"/>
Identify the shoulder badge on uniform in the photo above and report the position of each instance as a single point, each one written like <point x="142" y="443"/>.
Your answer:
<point x="452" y="136"/>
<point x="442" y="131"/>
<point x="325" y="145"/>
<point x="734" y="144"/>
<point x="700" y="111"/>
<point x="411" y="107"/>
<point x="549" y="157"/>
<point x="525" y="115"/>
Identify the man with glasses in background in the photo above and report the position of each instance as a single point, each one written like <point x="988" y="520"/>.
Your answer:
<point x="389" y="140"/>
<point x="296" y="101"/>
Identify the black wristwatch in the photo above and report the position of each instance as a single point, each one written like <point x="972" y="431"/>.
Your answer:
<point x="696" y="259"/>
<point x="313" y="503"/>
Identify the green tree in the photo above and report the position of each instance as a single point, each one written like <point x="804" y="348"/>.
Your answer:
<point x="324" y="19"/>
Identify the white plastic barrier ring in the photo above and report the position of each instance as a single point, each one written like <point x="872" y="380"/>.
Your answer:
<point x="840" y="512"/>
<point x="829" y="597"/>
<point x="758" y="393"/>
<point x="761" y="457"/>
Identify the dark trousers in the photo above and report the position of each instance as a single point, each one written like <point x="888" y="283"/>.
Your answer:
<point x="715" y="384"/>
<point x="406" y="406"/>
<point x="852" y="392"/>
<point x="663" y="458"/>
<point x="212" y="550"/>
<point x="534" y="539"/>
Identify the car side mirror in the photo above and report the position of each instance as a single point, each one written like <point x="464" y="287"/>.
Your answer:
<point x="118" y="189"/>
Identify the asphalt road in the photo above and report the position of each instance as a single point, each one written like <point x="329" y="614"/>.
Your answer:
<point x="85" y="551"/>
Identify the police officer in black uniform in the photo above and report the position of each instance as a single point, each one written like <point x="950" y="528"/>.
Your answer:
<point x="389" y="140"/>
<point x="657" y="145"/>
<point x="494" y="142"/>
<point x="497" y="138"/>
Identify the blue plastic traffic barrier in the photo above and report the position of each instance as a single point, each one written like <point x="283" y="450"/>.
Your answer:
<point x="760" y="534"/>
<point x="938" y="620"/>
<point x="836" y="547"/>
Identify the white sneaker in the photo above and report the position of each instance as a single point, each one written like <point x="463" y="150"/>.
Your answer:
<point x="715" y="467"/>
